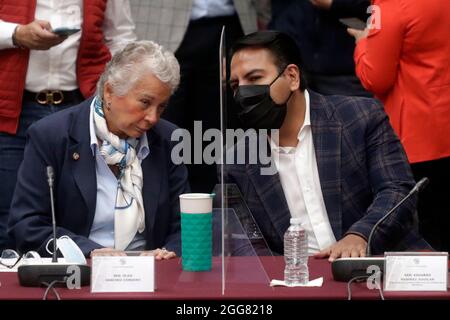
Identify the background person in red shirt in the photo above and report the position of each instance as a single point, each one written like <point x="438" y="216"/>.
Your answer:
<point x="42" y="72"/>
<point x="406" y="64"/>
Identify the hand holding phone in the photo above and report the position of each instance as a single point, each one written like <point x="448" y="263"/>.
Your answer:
<point x="36" y="35"/>
<point x="65" y="32"/>
<point x="353" y="23"/>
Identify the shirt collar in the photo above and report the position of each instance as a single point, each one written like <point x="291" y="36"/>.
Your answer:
<point x="307" y="120"/>
<point x="306" y="123"/>
<point x="142" y="148"/>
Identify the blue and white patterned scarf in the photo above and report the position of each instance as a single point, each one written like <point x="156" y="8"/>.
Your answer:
<point x="129" y="216"/>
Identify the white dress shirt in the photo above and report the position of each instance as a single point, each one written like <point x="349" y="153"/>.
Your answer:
<point x="299" y="176"/>
<point x="212" y="8"/>
<point x="56" y="68"/>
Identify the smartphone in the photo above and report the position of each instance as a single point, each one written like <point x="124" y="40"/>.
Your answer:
<point x="64" y="32"/>
<point x="353" y="23"/>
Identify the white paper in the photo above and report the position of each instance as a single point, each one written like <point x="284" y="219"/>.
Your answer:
<point x="313" y="283"/>
<point x="123" y="274"/>
<point x="415" y="273"/>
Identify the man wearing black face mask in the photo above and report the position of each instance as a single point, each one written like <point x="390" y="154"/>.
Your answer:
<point x="340" y="167"/>
<point x="258" y="110"/>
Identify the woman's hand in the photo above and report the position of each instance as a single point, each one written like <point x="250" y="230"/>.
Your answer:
<point x="160" y="254"/>
<point x="107" y="252"/>
<point x="358" y="34"/>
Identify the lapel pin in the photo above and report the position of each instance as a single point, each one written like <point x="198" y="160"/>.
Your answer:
<point x="76" y="156"/>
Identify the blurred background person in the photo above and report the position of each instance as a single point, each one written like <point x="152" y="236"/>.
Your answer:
<point x="42" y="72"/>
<point x="406" y="63"/>
<point x="116" y="187"/>
<point x="325" y="46"/>
<point x="191" y="28"/>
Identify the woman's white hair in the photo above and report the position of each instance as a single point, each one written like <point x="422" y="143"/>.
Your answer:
<point x="132" y="62"/>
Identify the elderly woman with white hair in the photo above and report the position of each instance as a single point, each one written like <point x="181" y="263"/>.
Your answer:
<point x="115" y="186"/>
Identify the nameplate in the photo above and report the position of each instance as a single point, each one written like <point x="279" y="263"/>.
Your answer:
<point x="416" y="271"/>
<point x="123" y="274"/>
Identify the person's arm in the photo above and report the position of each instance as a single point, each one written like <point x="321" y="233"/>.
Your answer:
<point x="36" y="35"/>
<point x="377" y="56"/>
<point x="30" y="222"/>
<point x="118" y="26"/>
<point x="390" y="179"/>
<point x="6" y="34"/>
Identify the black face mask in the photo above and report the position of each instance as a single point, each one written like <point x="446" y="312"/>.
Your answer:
<point x="258" y="110"/>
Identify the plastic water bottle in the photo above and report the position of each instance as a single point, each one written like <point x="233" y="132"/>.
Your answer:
<point x="296" y="254"/>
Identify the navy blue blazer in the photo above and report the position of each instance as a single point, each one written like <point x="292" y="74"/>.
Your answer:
<point x="363" y="173"/>
<point x="53" y="141"/>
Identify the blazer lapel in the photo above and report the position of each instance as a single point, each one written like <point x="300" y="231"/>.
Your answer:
<point x="270" y="192"/>
<point x="151" y="181"/>
<point x="327" y="144"/>
<point x="81" y="159"/>
<point x="82" y="163"/>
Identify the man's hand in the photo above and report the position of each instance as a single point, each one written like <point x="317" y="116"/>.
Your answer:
<point x="322" y="4"/>
<point x="358" y="34"/>
<point x="37" y="35"/>
<point x="349" y="246"/>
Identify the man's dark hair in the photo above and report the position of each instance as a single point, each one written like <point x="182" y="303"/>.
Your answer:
<point x="282" y="47"/>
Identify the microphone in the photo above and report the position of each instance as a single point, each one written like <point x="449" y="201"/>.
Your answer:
<point x="50" y="179"/>
<point x="35" y="275"/>
<point x="344" y="269"/>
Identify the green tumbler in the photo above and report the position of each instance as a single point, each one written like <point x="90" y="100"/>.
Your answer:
<point x="196" y="231"/>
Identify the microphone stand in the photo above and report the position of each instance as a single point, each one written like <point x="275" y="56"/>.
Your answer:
<point x="50" y="179"/>
<point x="35" y="275"/>
<point x="344" y="269"/>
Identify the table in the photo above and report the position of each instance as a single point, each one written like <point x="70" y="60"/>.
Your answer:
<point x="245" y="281"/>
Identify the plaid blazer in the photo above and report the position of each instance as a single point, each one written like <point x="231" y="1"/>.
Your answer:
<point x="363" y="173"/>
<point x="166" y="21"/>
